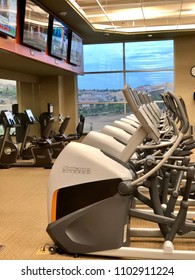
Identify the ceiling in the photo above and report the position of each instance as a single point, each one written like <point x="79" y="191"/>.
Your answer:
<point x="100" y="21"/>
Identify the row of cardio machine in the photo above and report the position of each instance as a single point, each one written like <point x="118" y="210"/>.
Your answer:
<point x="33" y="151"/>
<point x="139" y="167"/>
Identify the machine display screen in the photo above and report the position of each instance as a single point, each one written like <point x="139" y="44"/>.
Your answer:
<point x="30" y="115"/>
<point x="10" y="118"/>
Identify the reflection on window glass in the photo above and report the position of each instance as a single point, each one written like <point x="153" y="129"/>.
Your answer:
<point x="149" y="55"/>
<point x="103" y="57"/>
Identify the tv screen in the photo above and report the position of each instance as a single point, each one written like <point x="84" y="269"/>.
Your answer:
<point x="76" y="49"/>
<point x="8" y="10"/>
<point x="35" y="29"/>
<point x="59" y="39"/>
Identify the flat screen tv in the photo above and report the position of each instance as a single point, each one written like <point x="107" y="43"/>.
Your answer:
<point x="59" y="39"/>
<point x="76" y="49"/>
<point x="8" y="11"/>
<point x="35" y="26"/>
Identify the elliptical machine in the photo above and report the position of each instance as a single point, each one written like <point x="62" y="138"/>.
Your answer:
<point x="41" y="152"/>
<point x="28" y="141"/>
<point x="60" y="139"/>
<point x="23" y="139"/>
<point x="91" y="195"/>
<point x="8" y="150"/>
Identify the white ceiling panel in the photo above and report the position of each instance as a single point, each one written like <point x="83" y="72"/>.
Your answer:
<point x="136" y="16"/>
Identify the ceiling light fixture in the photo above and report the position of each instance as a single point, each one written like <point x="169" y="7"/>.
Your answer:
<point x="143" y="16"/>
<point x="101" y="7"/>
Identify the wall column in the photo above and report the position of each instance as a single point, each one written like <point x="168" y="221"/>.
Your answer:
<point x="27" y="99"/>
<point x="184" y="52"/>
<point x="68" y="100"/>
<point x="61" y="91"/>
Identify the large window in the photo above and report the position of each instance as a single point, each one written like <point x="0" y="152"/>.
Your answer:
<point x="103" y="57"/>
<point x="7" y="96"/>
<point x="146" y="66"/>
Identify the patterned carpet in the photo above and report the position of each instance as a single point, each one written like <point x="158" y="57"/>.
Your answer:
<point x="1" y="247"/>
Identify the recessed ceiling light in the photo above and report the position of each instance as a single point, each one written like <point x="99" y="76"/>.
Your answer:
<point x="63" y="14"/>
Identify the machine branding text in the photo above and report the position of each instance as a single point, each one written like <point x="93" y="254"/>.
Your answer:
<point x="76" y="170"/>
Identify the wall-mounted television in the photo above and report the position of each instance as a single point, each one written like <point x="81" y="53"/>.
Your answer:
<point x="58" y="41"/>
<point x="35" y="26"/>
<point x="75" y="49"/>
<point x="8" y="11"/>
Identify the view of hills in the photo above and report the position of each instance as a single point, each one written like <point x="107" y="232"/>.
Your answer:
<point x="7" y="94"/>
